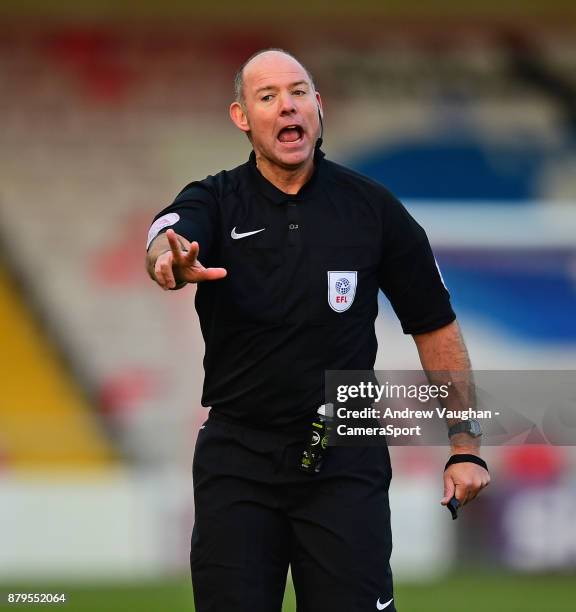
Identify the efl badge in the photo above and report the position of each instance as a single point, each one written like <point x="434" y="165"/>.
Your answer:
<point x="341" y="290"/>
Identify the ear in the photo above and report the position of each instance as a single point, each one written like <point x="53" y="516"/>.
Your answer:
<point x="319" y="102"/>
<point x="239" y="117"/>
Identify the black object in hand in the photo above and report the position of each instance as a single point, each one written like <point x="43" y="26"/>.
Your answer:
<point x="453" y="506"/>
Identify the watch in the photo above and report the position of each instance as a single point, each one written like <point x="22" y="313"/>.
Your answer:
<point x="470" y="426"/>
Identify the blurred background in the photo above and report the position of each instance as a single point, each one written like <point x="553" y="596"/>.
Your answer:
<point x="107" y="109"/>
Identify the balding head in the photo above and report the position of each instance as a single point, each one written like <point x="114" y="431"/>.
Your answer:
<point x="278" y="108"/>
<point x="264" y="59"/>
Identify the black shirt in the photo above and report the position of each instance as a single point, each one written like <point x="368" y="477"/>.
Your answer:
<point x="301" y="293"/>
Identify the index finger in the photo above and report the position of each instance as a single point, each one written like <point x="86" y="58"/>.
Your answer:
<point x="174" y="245"/>
<point x="461" y="494"/>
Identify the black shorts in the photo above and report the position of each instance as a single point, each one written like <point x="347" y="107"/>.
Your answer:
<point x="257" y="513"/>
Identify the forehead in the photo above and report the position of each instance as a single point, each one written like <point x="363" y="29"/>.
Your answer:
<point x="273" y="69"/>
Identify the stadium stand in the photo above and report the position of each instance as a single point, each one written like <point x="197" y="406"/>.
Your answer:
<point x="45" y="422"/>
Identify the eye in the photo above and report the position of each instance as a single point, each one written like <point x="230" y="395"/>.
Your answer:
<point x="299" y="92"/>
<point x="266" y="98"/>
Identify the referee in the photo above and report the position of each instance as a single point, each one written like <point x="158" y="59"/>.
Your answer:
<point x="290" y="251"/>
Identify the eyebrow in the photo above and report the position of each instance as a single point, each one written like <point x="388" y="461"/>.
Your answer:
<point x="268" y="87"/>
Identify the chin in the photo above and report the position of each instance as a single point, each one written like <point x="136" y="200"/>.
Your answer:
<point x="294" y="158"/>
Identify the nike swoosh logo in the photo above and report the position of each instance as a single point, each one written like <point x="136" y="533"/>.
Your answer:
<point x="380" y="606"/>
<point x="237" y="236"/>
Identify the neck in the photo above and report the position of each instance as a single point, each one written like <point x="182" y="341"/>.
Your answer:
<point x="288" y="180"/>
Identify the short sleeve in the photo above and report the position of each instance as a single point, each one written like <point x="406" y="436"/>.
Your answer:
<point x="409" y="275"/>
<point x="192" y="215"/>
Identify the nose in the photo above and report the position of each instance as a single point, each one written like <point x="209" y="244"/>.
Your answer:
<point x="287" y="105"/>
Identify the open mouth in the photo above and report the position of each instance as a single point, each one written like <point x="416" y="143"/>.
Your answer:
<point x="291" y="133"/>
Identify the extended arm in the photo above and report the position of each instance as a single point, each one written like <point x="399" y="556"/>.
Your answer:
<point x="443" y="354"/>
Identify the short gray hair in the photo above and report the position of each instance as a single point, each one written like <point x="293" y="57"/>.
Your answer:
<point x="239" y="76"/>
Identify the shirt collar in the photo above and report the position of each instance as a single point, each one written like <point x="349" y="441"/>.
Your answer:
<point x="276" y="195"/>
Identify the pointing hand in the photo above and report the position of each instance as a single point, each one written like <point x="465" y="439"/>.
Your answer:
<point x="175" y="266"/>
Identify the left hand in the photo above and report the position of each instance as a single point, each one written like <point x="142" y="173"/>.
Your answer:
<point x="464" y="481"/>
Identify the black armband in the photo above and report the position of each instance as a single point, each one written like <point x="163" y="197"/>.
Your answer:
<point x="464" y="458"/>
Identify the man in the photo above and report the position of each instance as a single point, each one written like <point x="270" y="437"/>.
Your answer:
<point x="275" y="237"/>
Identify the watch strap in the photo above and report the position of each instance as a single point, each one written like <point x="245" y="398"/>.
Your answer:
<point x="461" y="427"/>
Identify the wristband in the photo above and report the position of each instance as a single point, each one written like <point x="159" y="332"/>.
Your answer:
<point x="463" y="458"/>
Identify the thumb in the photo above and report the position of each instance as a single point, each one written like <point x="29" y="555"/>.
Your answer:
<point x="214" y="273"/>
<point x="449" y="490"/>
